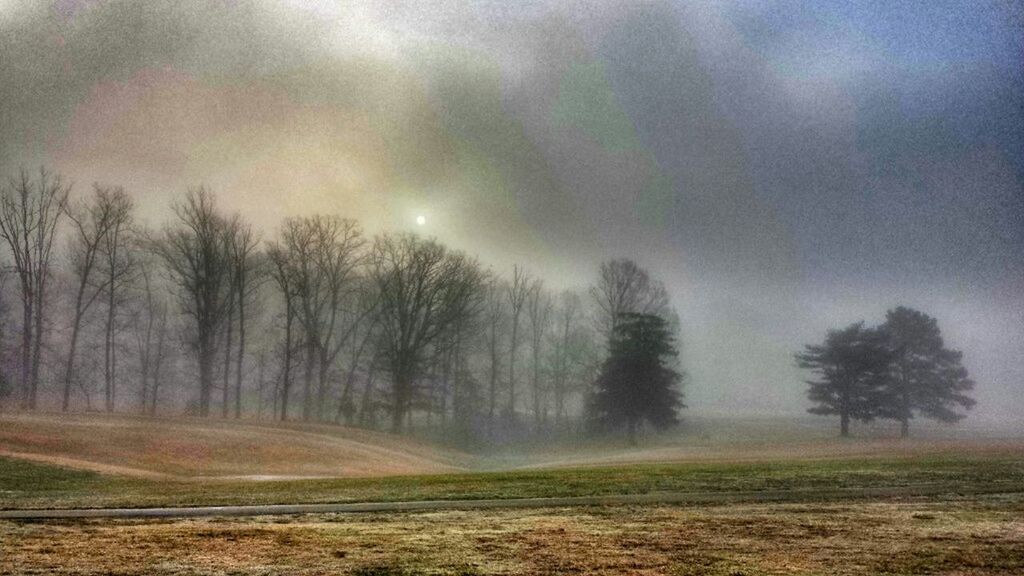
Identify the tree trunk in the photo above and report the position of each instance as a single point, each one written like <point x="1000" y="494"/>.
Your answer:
<point x="205" y="373"/>
<point x="108" y="353"/>
<point x="307" y="384"/>
<point x="321" y="386"/>
<point x="399" y="409"/>
<point x="228" y="334"/>
<point x="69" y="369"/>
<point x="287" y="379"/>
<point x="27" y="399"/>
<point x="536" y="391"/>
<point x="366" y="405"/>
<point x="241" y="356"/>
<point x="513" y="344"/>
<point x="37" y="349"/>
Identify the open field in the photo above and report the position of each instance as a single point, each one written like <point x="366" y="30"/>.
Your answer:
<point x="936" y="505"/>
<point x="204" y="449"/>
<point x="983" y="535"/>
<point x="123" y="461"/>
<point x="30" y="485"/>
<point x="190" y="448"/>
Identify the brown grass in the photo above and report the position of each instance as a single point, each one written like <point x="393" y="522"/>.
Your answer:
<point x="184" y="448"/>
<point x="977" y="536"/>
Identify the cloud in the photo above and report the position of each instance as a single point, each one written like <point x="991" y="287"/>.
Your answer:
<point x="784" y="169"/>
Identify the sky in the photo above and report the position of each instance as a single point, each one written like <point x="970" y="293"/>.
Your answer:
<point x="784" y="167"/>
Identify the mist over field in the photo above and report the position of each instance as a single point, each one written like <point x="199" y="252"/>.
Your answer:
<point x="468" y="287"/>
<point x="782" y="169"/>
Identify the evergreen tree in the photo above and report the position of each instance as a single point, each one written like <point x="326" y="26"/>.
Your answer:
<point x="852" y="366"/>
<point x="637" y="382"/>
<point x="926" y="378"/>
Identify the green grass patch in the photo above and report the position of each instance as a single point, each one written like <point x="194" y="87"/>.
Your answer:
<point x="30" y="485"/>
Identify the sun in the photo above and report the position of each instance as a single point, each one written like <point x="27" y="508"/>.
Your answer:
<point x="421" y="220"/>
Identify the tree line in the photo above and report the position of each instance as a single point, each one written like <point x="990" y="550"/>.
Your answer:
<point x="898" y="370"/>
<point x="317" y="321"/>
<point x="320" y="322"/>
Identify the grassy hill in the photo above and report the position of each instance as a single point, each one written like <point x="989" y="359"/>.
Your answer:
<point x="195" y="448"/>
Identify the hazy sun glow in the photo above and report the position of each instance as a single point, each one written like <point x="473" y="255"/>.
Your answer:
<point x="421" y="220"/>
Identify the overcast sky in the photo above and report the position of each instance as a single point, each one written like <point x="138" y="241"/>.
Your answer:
<point x="784" y="167"/>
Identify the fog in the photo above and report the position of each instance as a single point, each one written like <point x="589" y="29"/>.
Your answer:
<point x="783" y="169"/>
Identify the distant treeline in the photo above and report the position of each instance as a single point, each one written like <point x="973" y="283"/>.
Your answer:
<point x="321" y="323"/>
<point x="317" y="322"/>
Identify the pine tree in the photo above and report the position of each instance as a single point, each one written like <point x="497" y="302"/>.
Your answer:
<point x="852" y="366"/>
<point x="926" y="378"/>
<point x="637" y="382"/>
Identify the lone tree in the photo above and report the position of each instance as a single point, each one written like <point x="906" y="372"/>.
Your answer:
<point x="852" y="367"/>
<point x="926" y="378"/>
<point x="637" y="383"/>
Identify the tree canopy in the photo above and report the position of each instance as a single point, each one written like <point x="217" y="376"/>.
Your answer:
<point x="895" y="371"/>
<point x="637" y="383"/>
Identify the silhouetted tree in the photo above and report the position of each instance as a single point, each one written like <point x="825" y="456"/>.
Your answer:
<point x="517" y="291"/>
<point x="538" y="308"/>
<point x="30" y="212"/>
<point x="118" y="265"/>
<point x="624" y="287"/>
<point x="282" y="271"/>
<point x="423" y="289"/>
<point x="150" y="331"/>
<point x="496" y="323"/>
<point x="852" y="366"/>
<point x="637" y="383"/>
<point x="926" y="378"/>
<point x="247" y="275"/>
<point x="194" y="251"/>
<point x="92" y="220"/>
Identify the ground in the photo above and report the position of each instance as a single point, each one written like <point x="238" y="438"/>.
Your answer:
<point x="179" y="448"/>
<point x="953" y="536"/>
<point x="935" y="505"/>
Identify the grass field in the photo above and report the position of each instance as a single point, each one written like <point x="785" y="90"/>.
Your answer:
<point x="31" y="485"/>
<point x="147" y="447"/>
<point x="972" y="521"/>
<point x="953" y="536"/>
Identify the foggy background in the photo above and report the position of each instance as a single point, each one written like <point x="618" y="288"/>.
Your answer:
<point x="784" y="169"/>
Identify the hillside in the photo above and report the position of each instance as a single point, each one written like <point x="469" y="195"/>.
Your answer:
<point x="196" y="448"/>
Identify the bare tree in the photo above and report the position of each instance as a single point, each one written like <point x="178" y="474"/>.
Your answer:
<point x="495" y="318"/>
<point x="339" y="254"/>
<point x="622" y="287"/>
<point x="567" y="315"/>
<point x="150" y="330"/>
<point x="195" y="254"/>
<point x="118" y="264"/>
<point x="247" y="275"/>
<point x="517" y="292"/>
<point x="91" y="222"/>
<point x="538" y="308"/>
<point x="362" y="322"/>
<point x="423" y="289"/>
<point x="283" y="274"/>
<point x="30" y="212"/>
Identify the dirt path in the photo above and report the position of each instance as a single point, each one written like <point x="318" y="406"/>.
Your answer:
<point x="921" y="490"/>
<point x="79" y="464"/>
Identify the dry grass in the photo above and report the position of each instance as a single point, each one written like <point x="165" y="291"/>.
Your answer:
<point x="182" y="448"/>
<point x="977" y="536"/>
